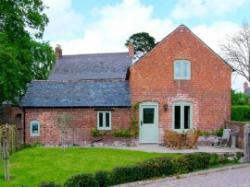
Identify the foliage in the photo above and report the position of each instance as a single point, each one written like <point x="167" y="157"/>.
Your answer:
<point x="82" y="180"/>
<point x="142" y="42"/>
<point x="50" y="164"/>
<point x="123" y="133"/>
<point x="23" y="54"/>
<point x="237" y="51"/>
<point x="103" y="178"/>
<point x="49" y="184"/>
<point x="239" y="98"/>
<point x="217" y="132"/>
<point x="156" y="167"/>
<point x="240" y="113"/>
<point x="96" y="133"/>
<point x="177" y="140"/>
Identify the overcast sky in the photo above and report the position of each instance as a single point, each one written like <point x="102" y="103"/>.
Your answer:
<point x="92" y="26"/>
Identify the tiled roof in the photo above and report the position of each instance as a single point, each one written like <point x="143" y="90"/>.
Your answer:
<point x="77" y="94"/>
<point x="91" y="66"/>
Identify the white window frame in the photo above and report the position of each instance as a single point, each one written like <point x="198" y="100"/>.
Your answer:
<point x="182" y="104"/>
<point x="34" y="122"/>
<point x="182" y="65"/>
<point x="104" y="120"/>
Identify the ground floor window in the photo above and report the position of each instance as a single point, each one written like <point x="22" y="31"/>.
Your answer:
<point x="182" y="116"/>
<point x="34" y="128"/>
<point x="104" y="120"/>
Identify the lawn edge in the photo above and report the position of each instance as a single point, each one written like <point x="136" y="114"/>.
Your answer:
<point x="196" y="173"/>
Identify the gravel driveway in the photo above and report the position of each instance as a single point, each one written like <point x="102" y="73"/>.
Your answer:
<point x="230" y="178"/>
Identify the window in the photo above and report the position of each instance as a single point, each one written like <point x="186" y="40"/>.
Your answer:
<point x="34" y="128"/>
<point x="104" y="120"/>
<point x="182" y="116"/>
<point x="182" y="69"/>
<point x="148" y="115"/>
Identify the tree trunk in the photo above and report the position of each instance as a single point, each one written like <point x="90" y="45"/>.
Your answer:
<point x="6" y="156"/>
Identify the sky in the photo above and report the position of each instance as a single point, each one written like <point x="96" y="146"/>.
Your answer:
<point x="94" y="26"/>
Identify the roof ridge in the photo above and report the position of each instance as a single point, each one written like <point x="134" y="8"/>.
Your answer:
<point x="101" y="53"/>
<point x="82" y="80"/>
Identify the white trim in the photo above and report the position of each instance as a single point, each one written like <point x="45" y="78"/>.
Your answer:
<point x="182" y="104"/>
<point x="34" y="122"/>
<point x="104" y="120"/>
<point x="182" y="62"/>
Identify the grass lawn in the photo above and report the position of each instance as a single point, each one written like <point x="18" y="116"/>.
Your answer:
<point x="31" y="166"/>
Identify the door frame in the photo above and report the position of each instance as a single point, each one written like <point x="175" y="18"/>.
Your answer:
<point x="153" y="104"/>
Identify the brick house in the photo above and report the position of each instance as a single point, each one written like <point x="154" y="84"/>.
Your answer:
<point x="179" y="85"/>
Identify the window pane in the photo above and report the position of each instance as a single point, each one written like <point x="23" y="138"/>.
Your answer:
<point x="177" y="117"/>
<point x="148" y="115"/>
<point x="107" y="119"/>
<point x="186" y="117"/>
<point x="100" y="119"/>
<point x="177" y="69"/>
<point x="35" y="128"/>
<point x="186" y="70"/>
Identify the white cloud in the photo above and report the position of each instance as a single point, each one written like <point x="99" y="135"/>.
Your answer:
<point x="115" y="25"/>
<point x="64" y="22"/>
<point x="186" y="9"/>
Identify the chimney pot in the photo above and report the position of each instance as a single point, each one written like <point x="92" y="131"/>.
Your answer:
<point x="131" y="50"/>
<point x="245" y="87"/>
<point x="58" y="51"/>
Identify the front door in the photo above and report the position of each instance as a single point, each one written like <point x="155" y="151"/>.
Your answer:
<point x="149" y="132"/>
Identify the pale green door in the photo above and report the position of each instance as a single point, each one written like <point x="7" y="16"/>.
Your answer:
<point x="149" y="131"/>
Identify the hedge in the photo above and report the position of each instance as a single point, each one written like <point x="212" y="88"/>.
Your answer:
<point x="240" y="113"/>
<point x="157" y="167"/>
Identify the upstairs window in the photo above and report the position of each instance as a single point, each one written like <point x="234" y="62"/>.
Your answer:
<point x="34" y="128"/>
<point x="182" y="70"/>
<point x="104" y="120"/>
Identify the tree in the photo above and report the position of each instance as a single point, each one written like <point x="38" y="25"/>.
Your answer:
<point x="63" y="123"/>
<point x="236" y="51"/>
<point x="142" y="42"/>
<point x="23" y="54"/>
<point x="239" y="98"/>
<point x="7" y="146"/>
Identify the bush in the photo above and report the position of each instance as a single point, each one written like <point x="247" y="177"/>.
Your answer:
<point x="49" y="184"/>
<point x="156" y="167"/>
<point x="83" y="180"/>
<point x="181" y="140"/>
<point x="241" y="113"/>
<point x="96" y="133"/>
<point x="123" y="133"/>
<point x="239" y="98"/>
<point x="103" y="178"/>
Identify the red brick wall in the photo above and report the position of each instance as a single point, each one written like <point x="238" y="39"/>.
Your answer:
<point x="151" y="79"/>
<point x="83" y="120"/>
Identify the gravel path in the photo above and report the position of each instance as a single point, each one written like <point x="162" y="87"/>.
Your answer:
<point x="230" y="178"/>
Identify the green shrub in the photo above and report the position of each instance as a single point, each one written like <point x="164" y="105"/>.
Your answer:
<point x="83" y="180"/>
<point x="241" y="113"/>
<point x="49" y="184"/>
<point x="123" y="133"/>
<point x="156" y="167"/>
<point x="214" y="159"/>
<point x="239" y="98"/>
<point x="96" y="133"/>
<point x="103" y="178"/>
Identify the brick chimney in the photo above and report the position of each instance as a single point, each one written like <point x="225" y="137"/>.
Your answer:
<point x="131" y="50"/>
<point x="245" y="87"/>
<point x="58" y="51"/>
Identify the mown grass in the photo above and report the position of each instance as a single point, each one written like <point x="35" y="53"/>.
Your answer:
<point x="31" y="166"/>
